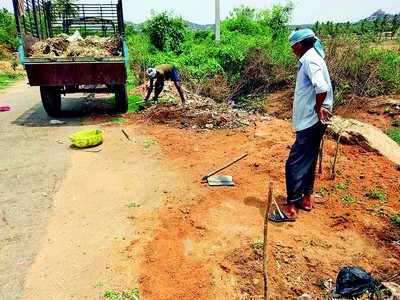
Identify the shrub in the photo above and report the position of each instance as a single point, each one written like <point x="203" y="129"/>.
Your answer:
<point x="349" y="199"/>
<point x="376" y="194"/>
<point x="395" y="219"/>
<point x="394" y="134"/>
<point x="8" y="31"/>
<point x="358" y="68"/>
<point x="166" y="32"/>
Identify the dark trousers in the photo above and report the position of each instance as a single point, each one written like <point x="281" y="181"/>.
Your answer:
<point x="302" y="162"/>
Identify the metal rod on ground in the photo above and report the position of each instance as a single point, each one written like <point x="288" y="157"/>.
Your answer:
<point x="333" y="171"/>
<point x="265" y="248"/>
<point x="321" y="155"/>
<point x="225" y="167"/>
<point x="126" y="135"/>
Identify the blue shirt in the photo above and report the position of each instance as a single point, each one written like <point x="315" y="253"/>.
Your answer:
<point x="312" y="79"/>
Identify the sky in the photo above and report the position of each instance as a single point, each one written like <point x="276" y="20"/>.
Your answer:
<point x="202" y="11"/>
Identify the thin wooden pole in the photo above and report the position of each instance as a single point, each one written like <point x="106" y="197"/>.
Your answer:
<point x="265" y="241"/>
<point x="333" y="171"/>
<point x="321" y="155"/>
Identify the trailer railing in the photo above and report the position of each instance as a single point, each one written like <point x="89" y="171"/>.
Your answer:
<point x="42" y="18"/>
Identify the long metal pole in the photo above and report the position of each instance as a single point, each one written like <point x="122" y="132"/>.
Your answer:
<point x="217" y="21"/>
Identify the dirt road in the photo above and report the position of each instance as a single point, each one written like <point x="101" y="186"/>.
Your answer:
<point x="32" y="165"/>
<point x="78" y="224"/>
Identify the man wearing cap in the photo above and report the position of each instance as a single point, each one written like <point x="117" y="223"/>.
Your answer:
<point x="161" y="73"/>
<point x="312" y="106"/>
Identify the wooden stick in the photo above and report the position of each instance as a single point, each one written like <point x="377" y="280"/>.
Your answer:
<point x="333" y="171"/>
<point x="321" y="155"/>
<point x="393" y="276"/>
<point x="126" y="135"/>
<point x="265" y="248"/>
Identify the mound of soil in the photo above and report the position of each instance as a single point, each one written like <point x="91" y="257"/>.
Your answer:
<point x="198" y="113"/>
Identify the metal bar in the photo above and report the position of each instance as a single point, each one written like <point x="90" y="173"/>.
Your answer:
<point x="88" y="90"/>
<point x="120" y="18"/>
<point x="102" y="23"/>
<point x="84" y="16"/>
<point x="16" y="15"/>
<point x="24" y="23"/>
<point x="47" y="9"/>
<point x="28" y="10"/>
<point x="35" y="20"/>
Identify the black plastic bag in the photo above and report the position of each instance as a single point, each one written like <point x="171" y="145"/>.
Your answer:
<point x="354" y="281"/>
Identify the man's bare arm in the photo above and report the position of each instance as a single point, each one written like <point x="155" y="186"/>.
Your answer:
<point x="149" y="90"/>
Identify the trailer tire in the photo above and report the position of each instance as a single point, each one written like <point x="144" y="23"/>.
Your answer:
<point x="121" y="99"/>
<point x="51" y="99"/>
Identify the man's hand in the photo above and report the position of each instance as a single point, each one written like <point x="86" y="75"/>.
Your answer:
<point x="324" y="115"/>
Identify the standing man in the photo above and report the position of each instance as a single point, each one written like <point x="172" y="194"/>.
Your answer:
<point x="161" y="73"/>
<point x="313" y="103"/>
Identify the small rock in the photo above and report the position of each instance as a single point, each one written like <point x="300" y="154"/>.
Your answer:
<point x="266" y="119"/>
<point x="305" y="297"/>
<point x="244" y="122"/>
<point x="57" y="122"/>
<point x="209" y="126"/>
<point x="394" y="288"/>
<point x="185" y="211"/>
<point x="372" y="112"/>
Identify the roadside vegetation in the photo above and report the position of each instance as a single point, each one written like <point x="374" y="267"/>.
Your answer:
<point x="8" y="44"/>
<point x="254" y="57"/>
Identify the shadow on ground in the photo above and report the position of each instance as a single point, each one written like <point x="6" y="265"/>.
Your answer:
<point x="75" y="110"/>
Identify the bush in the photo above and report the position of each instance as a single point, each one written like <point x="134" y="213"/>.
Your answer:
<point x="358" y="68"/>
<point x="395" y="219"/>
<point x="394" y="134"/>
<point x="8" y="31"/>
<point x="166" y="32"/>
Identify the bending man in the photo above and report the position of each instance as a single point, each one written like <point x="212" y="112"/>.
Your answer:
<point x="161" y="73"/>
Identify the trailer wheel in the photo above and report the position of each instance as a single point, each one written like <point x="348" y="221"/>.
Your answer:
<point x="51" y="99"/>
<point x="121" y="99"/>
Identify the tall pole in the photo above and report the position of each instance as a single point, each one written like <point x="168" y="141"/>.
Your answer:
<point x="217" y="21"/>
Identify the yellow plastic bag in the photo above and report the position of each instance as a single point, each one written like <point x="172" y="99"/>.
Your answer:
<point x="87" y="138"/>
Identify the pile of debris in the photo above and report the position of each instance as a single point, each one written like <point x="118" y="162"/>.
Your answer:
<point x="198" y="113"/>
<point x="76" y="46"/>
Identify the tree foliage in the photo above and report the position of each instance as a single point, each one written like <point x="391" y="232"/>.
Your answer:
<point x="66" y="8"/>
<point x="8" y="31"/>
<point x="166" y="32"/>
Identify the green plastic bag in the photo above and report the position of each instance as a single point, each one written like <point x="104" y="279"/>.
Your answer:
<point x="87" y="138"/>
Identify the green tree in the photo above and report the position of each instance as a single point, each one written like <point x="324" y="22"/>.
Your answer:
<point x="67" y="8"/>
<point x="395" y="24"/>
<point x="243" y="19"/>
<point x="278" y="19"/>
<point x="166" y="32"/>
<point x="317" y="27"/>
<point x="8" y="31"/>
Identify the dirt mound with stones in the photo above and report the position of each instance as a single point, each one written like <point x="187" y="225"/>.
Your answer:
<point x="197" y="113"/>
<point x="76" y="46"/>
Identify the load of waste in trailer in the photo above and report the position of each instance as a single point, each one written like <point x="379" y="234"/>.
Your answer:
<point x="63" y="46"/>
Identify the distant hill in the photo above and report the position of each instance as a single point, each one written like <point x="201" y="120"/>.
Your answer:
<point x="195" y="26"/>
<point x="191" y="25"/>
<point x="379" y="15"/>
